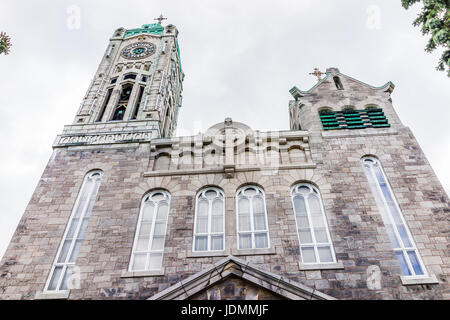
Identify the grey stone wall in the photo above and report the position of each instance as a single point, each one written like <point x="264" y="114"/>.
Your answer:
<point x="330" y="160"/>
<point x="356" y="228"/>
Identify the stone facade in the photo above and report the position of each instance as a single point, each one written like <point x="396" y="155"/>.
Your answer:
<point x="228" y="156"/>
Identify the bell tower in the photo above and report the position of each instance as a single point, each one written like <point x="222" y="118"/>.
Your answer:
<point x="136" y="90"/>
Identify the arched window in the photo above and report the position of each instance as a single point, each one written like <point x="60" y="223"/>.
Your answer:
<point x="119" y="113"/>
<point x="209" y="223"/>
<point x="148" y="247"/>
<point x="371" y="107"/>
<point x="325" y="110"/>
<point x="73" y="236"/>
<point x="138" y="103"/>
<point x="167" y="121"/>
<point x="349" y="109"/>
<point x="312" y="226"/>
<point x="253" y="231"/>
<point x="105" y="104"/>
<point x="398" y="232"/>
<point x="129" y="76"/>
<point x="338" y="83"/>
<point x="126" y="92"/>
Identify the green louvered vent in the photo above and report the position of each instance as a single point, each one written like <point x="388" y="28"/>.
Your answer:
<point x="354" y="119"/>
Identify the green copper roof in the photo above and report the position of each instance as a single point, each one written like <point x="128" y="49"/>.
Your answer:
<point x="154" y="28"/>
<point x="178" y="54"/>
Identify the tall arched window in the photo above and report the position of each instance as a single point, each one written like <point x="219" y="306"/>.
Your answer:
<point x="209" y="223"/>
<point x="405" y="250"/>
<point x="252" y="227"/>
<point x="105" y="104"/>
<point x="148" y="247"/>
<point x="125" y="93"/>
<point x="73" y="236"/>
<point x="312" y="226"/>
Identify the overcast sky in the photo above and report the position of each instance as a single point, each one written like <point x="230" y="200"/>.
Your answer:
<point x="240" y="59"/>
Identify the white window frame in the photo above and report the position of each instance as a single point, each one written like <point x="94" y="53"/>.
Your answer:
<point x="65" y="264"/>
<point x="239" y="195"/>
<point x="166" y="199"/>
<point x="314" y="243"/>
<point x="209" y="234"/>
<point x="402" y="247"/>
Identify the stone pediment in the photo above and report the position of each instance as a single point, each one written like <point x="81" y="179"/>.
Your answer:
<point x="235" y="278"/>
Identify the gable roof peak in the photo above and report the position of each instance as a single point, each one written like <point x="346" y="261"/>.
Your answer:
<point x="232" y="266"/>
<point x="333" y="71"/>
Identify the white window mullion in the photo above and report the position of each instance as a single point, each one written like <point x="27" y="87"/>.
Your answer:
<point x="61" y="277"/>
<point x="136" y="236"/>
<point x="266" y="220"/>
<point x="408" y="233"/>
<point x="327" y="231"/>
<point x="156" y="199"/>
<point x="208" y="197"/>
<point x="311" y="229"/>
<point x="249" y="194"/>
<point x="150" y="237"/>
<point x="402" y="246"/>
<point x="391" y="218"/>
<point x="408" y="261"/>
<point x="64" y="265"/>
<point x="252" y="225"/>
<point x="210" y="202"/>
<point x="80" y="223"/>
<point x="299" y="192"/>
<point x="389" y="214"/>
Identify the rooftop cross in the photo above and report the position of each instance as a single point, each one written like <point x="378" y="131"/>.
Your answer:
<point x="160" y="19"/>
<point x="317" y="73"/>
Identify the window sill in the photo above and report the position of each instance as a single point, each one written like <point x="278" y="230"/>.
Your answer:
<point x="52" y="295"/>
<point x="321" y="266"/>
<point x="133" y="274"/>
<point x="202" y="254"/>
<point x="252" y="252"/>
<point x="411" y="280"/>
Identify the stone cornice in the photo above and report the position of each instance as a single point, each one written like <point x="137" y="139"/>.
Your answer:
<point x="222" y="169"/>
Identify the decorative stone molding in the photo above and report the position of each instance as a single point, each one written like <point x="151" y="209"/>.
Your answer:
<point x="321" y="266"/>
<point x="253" y="252"/>
<point x="65" y="140"/>
<point x="419" y="280"/>
<point x="205" y="254"/>
<point x="223" y="170"/>
<point x="230" y="147"/>
<point x="52" y="295"/>
<point x="152" y="273"/>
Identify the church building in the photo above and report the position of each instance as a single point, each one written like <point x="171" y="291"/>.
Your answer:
<point x="341" y="205"/>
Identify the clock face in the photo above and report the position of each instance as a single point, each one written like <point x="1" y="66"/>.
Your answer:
<point x="138" y="50"/>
